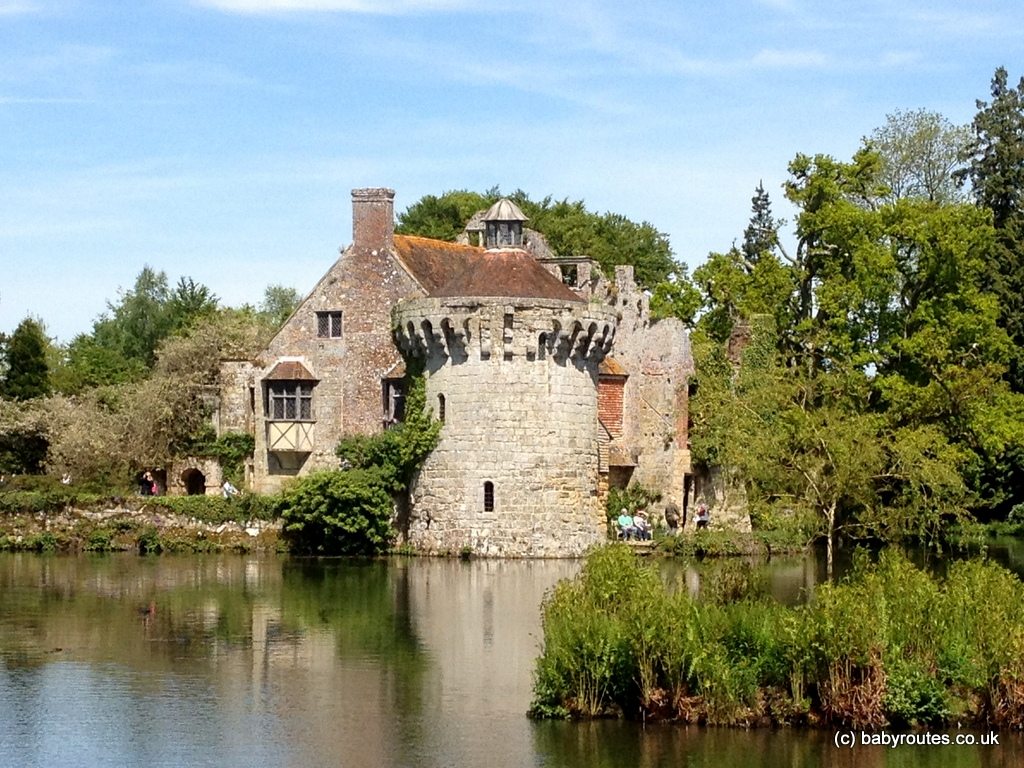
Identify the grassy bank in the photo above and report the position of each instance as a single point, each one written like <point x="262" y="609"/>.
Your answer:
<point x="888" y="646"/>
<point x="722" y="543"/>
<point x="62" y="519"/>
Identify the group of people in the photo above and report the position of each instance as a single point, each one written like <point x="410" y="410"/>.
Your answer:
<point x="148" y="485"/>
<point x="636" y="525"/>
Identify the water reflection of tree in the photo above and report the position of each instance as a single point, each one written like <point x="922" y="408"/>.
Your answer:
<point x="365" y="605"/>
<point x="125" y="609"/>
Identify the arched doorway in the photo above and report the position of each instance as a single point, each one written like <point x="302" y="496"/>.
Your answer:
<point x="194" y="482"/>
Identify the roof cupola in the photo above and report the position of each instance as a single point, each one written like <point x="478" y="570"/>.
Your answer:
<point x="503" y="223"/>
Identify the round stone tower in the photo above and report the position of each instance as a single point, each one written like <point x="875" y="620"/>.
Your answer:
<point x="510" y="357"/>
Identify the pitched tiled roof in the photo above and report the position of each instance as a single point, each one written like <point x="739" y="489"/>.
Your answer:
<point x="508" y="272"/>
<point x="450" y="270"/>
<point x="290" y="370"/>
<point x="433" y="262"/>
<point x="611" y="367"/>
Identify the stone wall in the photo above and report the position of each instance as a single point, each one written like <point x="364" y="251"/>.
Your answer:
<point x="657" y="357"/>
<point x="347" y="399"/>
<point x="208" y="471"/>
<point x="235" y="409"/>
<point x="519" y="381"/>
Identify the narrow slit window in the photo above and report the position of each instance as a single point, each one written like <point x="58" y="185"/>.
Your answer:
<point x="441" y="408"/>
<point x="488" y="496"/>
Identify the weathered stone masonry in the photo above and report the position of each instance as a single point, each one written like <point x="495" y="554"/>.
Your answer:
<point x="516" y="470"/>
<point x="538" y="422"/>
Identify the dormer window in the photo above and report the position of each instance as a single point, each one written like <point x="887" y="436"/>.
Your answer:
<point x="289" y="391"/>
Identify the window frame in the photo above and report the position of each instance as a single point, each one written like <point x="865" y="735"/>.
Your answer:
<point x="290" y="396"/>
<point x="329" y="324"/>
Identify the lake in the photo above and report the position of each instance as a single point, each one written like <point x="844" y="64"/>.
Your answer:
<point x="272" y="661"/>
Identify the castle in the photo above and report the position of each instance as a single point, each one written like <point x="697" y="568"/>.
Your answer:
<point x="552" y="382"/>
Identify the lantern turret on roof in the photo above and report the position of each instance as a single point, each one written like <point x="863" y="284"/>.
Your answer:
<point x="504" y="225"/>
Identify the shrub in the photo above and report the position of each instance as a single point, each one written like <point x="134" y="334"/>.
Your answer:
<point x="888" y="645"/>
<point x="340" y="512"/>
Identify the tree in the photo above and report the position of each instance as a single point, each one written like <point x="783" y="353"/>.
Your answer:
<point x="569" y="228"/>
<point x="995" y="153"/>
<point x="124" y="341"/>
<point x="279" y="302"/>
<point x="677" y="297"/>
<point x="748" y="281"/>
<point x="139" y="321"/>
<point x="25" y="382"/>
<point x="879" y="406"/>
<point x="188" y="302"/>
<point x="762" y="233"/>
<point x="444" y="217"/>
<point x="995" y="169"/>
<point x="920" y="152"/>
<point x="27" y="373"/>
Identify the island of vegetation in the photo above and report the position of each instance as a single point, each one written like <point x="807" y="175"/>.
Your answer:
<point x="888" y="645"/>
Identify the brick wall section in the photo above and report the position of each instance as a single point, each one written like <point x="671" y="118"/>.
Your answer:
<point x="373" y="218"/>
<point x="609" y="403"/>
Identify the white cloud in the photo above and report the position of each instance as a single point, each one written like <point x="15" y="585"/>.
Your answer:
<point x="16" y="7"/>
<point x="378" y="7"/>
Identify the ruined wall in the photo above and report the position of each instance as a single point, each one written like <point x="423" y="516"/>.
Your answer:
<point x="208" y="470"/>
<point x="519" y="381"/>
<point x="657" y="357"/>
<point x="235" y="404"/>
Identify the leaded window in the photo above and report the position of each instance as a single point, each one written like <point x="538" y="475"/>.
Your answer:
<point x="290" y="400"/>
<point x="328" y="325"/>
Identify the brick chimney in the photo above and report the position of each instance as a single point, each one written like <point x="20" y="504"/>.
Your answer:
<point x="373" y="218"/>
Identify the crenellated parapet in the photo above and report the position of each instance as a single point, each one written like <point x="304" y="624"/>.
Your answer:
<point x="484" y="329"/>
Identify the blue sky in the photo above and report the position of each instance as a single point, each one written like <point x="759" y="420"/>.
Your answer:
<point x="220" y="139"/>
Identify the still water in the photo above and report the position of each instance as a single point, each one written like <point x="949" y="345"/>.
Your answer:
<point x="245" y="661"/>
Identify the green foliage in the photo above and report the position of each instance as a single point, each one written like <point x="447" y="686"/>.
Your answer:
<point x="995" y="168"/>
<point x="888" y="645"/>
<point x="995" y="153"/>
<point x="920" y="152"/>
<point x="677" y="298"/>
<point x="396" y="452"/>
<point x="216" y="509"/>
<point x="279" y="302"/>
<point x="124" y="342"/>
<point x="444" y="217"/>
<point x="26" y="373"/>
<point x="349" y="512"/>
<point x="569" y="228"/>
<point x="859" y="382"/>
<point x="761" y="237"/>
<point x="340" y="512"/>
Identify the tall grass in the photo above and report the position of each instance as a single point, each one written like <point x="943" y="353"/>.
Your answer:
<point x="890" y="645"/>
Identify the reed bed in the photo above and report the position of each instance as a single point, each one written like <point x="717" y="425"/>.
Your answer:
<point x="890" y="645"/>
